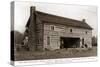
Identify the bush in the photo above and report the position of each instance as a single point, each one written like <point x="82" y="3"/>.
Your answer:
<point x="94" y="41"/>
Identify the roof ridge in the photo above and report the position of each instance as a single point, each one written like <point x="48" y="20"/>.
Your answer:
<point x="58" y="16"/>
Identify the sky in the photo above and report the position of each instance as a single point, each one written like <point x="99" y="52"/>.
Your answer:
<point x="77" y="12"/>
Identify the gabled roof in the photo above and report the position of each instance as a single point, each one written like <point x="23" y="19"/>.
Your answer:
<point x="49" y="18"/>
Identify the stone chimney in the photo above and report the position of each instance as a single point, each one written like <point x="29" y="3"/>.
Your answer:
<point x="83" y="20"/>
<point x="32" y="29"/>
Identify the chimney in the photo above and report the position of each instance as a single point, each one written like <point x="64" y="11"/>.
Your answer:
<point x="32" y="29"/>
<point x="32" y="10"/>
<point x="83" y="20"/>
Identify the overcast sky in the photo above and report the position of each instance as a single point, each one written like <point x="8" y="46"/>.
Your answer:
<point x="22" y="13"/>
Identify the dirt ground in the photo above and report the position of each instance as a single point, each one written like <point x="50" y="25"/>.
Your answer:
<point x="61" y="53"/>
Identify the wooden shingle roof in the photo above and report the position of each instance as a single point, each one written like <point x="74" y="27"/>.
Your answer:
<point x="49" y="18"/>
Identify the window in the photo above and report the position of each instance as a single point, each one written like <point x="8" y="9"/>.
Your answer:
<point x="83" y="41"/>
<point x="48" y="40"/>
<point x="86" y="32"/>
<point x="70" y="30"/>
<point x="37" y="41"/>
<point x="52" y="27"/>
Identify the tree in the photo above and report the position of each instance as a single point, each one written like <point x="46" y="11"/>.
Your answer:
<point x="94" y="41"/>
<point x="18" y="37"/>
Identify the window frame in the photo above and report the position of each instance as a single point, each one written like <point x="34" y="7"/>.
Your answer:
<point x="52" y="27"/>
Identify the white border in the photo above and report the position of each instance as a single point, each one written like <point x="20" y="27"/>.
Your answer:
<point x="55" y="61"/>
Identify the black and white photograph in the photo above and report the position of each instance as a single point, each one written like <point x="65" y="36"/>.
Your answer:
<point x="42" y="31"/>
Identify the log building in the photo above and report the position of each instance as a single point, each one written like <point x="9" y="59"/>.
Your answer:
<point x="47" y="31"/>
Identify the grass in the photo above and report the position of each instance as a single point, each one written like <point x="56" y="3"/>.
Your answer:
<point x="61" y="53"/>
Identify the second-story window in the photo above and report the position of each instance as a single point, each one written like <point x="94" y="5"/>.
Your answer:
<point x="70" y="30"/>
<point x="52" y="27"/>
<point x="86" y="32"/>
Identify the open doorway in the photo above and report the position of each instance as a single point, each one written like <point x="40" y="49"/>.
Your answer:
<point x="69" y="42"/>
